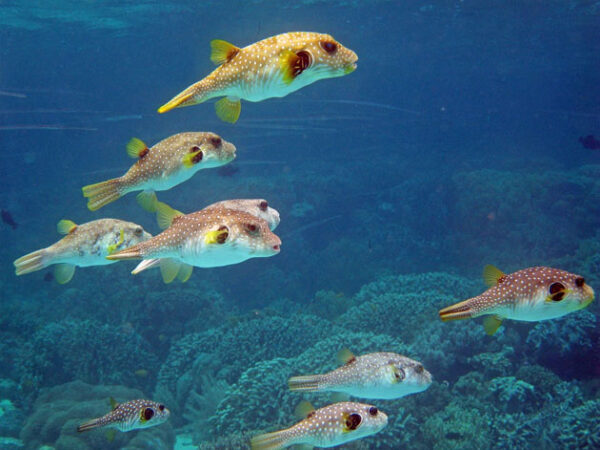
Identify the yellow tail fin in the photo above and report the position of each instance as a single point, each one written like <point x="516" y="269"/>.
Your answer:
<point x="101" y="194"/>
<point x="270" y="441"/>
<point x="31" y="262"/>
<point x="305" y="383"/>
<point x="457" y="311"/>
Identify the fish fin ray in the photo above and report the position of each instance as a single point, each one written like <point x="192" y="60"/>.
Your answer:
<point x="461" y="310"/>
<point x="222" y="51"/>
<point x="185" y="272"/>
<point x="31" y="262"/>
<point x="306" y="383"/>
<point x="228" y="110"/>
<point x="101" y="194"/>
<point x="136" y="148"/>
<point x="491" y="324"/>
<point x="492" y="275"/>
<point x="165" y="215"/>
<point x="169" y="268"/>
<point x="65" y="226"/>
<point x="63" y="273"/>
<point x="147" y="200"/>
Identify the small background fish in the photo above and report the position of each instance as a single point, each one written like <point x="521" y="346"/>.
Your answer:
<point x="128" y="416"/>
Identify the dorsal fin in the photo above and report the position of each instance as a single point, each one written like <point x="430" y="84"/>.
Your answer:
<point x="136" y="148"/>
<point x="304" y="409"/>
<point x="113" y="403"/>
<point x="222" y="51"/>
<point x="492" y="275"/>
<point x="345" y="356"/>
<point x="66" y="226"/>
<point x="165" y="215"/>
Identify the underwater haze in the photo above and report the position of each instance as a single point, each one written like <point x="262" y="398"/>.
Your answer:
<point x="467" y="135"/>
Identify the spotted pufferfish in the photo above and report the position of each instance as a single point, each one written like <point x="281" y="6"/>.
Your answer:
<point x="273" y="67"/>
<point x="258" y="207"/>
<point x="84" y="245"/>
<point x="207" y="238"/>
<point x="531" y="295"/>
<point x="163" y="166"/>
<point x="380" y="375"/>
<point x="128" y="416"/>
<point x="329" y="426"/>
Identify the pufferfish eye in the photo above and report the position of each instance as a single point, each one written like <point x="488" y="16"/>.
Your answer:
<point x="419" y="368"/>
<point x="148" y="413"/>
<point x="216" y="141"/>
<point x="353" y="421"/>
<point x="579" y="281"/>
<point x="161" y="407"/>
<point x="263" y="205"/>
<point x="138" y="231"/>
<point x="328" y="46"/>
<point x="373" y="411"/>
<point x="250" y="228"/>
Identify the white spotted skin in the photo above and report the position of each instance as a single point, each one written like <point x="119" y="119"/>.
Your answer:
<point x="258" y="207"/>
<point x="254" y="73"/>
<point x="327" y="427"/>
<point x="381" y="375"/>
<point x="523" y="295"/>
<point x="88" y="244"/>
<point x="248" y="237"/>
<point x="130" y="416"/>
<point x="162" y="167"/>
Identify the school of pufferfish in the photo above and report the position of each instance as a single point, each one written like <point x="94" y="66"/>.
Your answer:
<point x="232" y="231"/>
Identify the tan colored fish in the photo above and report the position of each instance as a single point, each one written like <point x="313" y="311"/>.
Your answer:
<point x="273" y="67"/>
<point x="380" y="375"/>
<point x="84" y="245"/>
<point x="128" y="416"/>
<point x="532" y="295"/>
<point x="258" y="207"/>
<point x="208" y="238"/>
<point x="163" y="166"/>
<point x="330" y="426"/>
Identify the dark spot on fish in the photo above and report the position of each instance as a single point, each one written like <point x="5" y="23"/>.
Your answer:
<point x="590" y="142"/>
<point x="197" y="157"/>
<point x="419" y="368"/>
<point x="161" y="407"/>
<point x="353" y="421"/>
<point x="8" y="219"/>
<point x="227" y="171"/>
<point x="303" y="62"/>
<point x="223" y="236"/>
<point x="144" y="152"/>
<point x="579" y="281"/>
<point x="555" y="287"/>
<point x="373" y="411"/>
<point x="263" y="205"/>
<point x="216" y="141"/>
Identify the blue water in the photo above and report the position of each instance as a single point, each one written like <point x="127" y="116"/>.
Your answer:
<point x="454" y="144"/>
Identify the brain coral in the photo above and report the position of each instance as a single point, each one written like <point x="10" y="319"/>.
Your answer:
<point x="58" y="411"/>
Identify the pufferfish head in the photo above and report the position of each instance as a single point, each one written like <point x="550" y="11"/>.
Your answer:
<point x="566" y="292"/>
<point x="151" y="414"/>
<point x="320" y="56"/>
<point x="361" y="419"/>
<point x="133" y="234"/>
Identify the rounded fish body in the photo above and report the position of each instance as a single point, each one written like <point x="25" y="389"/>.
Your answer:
<point x="330" y="426"/>
<point x="380" y="375"/>
<point x="209" y="238"/>
<point x="131" y="415"/>
<point x="531" y="295"/>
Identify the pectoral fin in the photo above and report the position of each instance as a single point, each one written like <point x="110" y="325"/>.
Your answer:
<point x="491" y="324"/>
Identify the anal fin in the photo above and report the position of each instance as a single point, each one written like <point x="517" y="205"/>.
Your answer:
<point x="491" y="324"/>
<point x="64" y="272"/>
<point x="228" y="109"/>
<point x="169" y="268"/>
